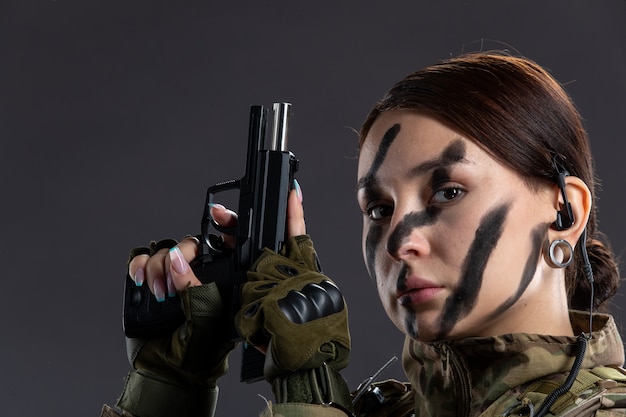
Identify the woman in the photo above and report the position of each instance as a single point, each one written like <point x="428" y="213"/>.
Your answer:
<point x="477" y="190"/>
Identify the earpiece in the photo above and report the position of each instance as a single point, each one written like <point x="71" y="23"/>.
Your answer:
<point x="564" y="216"/>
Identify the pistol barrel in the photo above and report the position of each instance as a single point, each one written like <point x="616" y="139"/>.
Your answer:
<point x="279" y="130"/>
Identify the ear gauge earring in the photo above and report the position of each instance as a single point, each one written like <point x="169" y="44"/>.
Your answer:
<point x="560" y="254"/>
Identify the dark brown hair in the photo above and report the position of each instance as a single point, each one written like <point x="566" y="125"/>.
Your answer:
<point x="521" y="115"/>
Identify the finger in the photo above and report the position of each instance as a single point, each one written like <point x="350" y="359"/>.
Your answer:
<point x="181" y="274"/>
<point x="137" y="269"/>
<point x="189" y="248"/>
<point x="295" y="212"/>
<point x="225" y="218"/>
<point x="156" y="274"/>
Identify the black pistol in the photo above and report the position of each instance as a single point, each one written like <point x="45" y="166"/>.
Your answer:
<point x="262" y="216"/>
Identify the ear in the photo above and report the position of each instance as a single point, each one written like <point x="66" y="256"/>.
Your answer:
<point x="579" y="197"/>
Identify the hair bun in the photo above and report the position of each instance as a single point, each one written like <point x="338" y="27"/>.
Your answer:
<point x="605" y="273"/>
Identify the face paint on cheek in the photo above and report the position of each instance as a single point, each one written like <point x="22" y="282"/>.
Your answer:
<point x="374" y="235"/>
<point x="410" y="320"/>
<point x="538" y="235"/>
<point x="410" y="324"/>
<point x="372" y="241"/>
<point x="463" y="298"/>
<point x="401" y="282"/>
<point x="407" y="224"/>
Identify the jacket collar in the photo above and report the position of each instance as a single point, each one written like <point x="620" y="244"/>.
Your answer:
<point x="463" y="377"/>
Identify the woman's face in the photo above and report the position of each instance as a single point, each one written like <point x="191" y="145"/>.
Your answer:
<point x="451" y="237"/>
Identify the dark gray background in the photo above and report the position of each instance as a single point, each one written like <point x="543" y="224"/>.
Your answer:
<point x="116" y="115"/>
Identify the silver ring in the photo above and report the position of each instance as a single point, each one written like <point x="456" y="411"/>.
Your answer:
<point x="195" y="239"/>
<point x="566" y="251"/>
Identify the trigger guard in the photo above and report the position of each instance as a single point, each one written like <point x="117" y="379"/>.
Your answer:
<point x="215" y="243"/>
<point x="228" y="230"/>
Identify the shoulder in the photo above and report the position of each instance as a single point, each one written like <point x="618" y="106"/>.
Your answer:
<point x="599" y="391"/>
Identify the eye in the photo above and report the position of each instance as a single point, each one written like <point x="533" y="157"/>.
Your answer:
<point x="446" y="195"/>
<point x="379" y="212"/>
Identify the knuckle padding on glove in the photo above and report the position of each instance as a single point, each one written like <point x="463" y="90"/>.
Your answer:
<point x="288" y="303"/>
<point x="314" y="301"/>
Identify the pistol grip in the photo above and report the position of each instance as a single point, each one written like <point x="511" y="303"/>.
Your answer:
<point x="145" y="317"/>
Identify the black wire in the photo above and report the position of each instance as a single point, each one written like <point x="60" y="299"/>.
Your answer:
<point x="589" y="274"/>
<point x="581" y="347"/>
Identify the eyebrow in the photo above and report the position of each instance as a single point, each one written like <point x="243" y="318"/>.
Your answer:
<point x="454" y="153"/>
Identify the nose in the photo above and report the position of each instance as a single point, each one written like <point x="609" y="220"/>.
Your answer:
<point x="407" y="239"/>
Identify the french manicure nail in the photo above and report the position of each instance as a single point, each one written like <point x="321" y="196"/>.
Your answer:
<point x="171" y="289"/>
<point x="217" y="206"/>
<point x="140" y="277"/>
<point x="159" y="292"/>
<point x="177" y="261"/>
<point x="296" y="185"/>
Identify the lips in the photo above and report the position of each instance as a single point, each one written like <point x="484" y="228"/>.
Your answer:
<point x="417" y="291"/>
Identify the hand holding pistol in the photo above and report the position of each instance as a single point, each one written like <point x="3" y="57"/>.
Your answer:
<point x="262" y="216"/>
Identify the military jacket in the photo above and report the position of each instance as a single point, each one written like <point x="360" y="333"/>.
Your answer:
<point x="491" y="376"/>
<point x="508" y="375"/>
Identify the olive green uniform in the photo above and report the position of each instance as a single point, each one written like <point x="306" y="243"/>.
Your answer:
<point x="497" y="376"/>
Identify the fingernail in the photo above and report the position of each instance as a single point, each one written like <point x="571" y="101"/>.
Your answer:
<point x="296" y="185"/>
<point x="177" y="261"/>
<point x="171" y="289"/>
<point x="140" y="277"/>
<point x="217" y="206"/>
<point x="159" y="292"/>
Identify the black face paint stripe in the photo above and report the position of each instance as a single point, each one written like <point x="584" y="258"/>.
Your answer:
<point x="463" y="298"/>
<point x="401" y="282"/>
<point x="410" y="319"/>
<point x="440" y="176"/>
<point x="383" y="148"/>
<point x="390" y="135"/>
<point x="374" y="236"/>
<point x="405" y="226"/>
<point x="410" y="324"/>
<point x="452" y="154"/>
<point x="538" y="235"/>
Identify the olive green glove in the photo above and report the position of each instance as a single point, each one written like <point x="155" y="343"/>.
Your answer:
<point x="300" y="314"/>
<point x="176" y="374"/>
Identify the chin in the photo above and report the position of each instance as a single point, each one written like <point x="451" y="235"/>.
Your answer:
<point x="419" y="330"/>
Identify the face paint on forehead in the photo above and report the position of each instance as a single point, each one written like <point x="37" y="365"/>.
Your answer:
<point x="452" y="154"/>
<point x="383" y="148"/>
<point x="537" y="237"/>
<point x="463" y="298"/>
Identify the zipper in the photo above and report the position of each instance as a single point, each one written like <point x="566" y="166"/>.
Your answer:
<point x="451" y="367"/>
